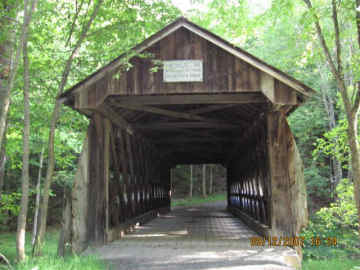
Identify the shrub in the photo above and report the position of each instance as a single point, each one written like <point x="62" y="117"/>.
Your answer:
<point x="9" y="209"/>
<point x="339" y="221"/>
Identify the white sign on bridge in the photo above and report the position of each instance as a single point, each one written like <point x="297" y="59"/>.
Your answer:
<point x="183" y="71"/>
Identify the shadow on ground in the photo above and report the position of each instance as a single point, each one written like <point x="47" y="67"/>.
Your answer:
<point x="201" y="237"/>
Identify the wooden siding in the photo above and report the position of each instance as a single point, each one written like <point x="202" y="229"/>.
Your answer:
<point x="222" y="71"/>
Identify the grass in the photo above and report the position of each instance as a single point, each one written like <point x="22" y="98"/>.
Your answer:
<point x="198" y="200"/>
<point x="331" y="264"/>
<point x="49" y="260"/>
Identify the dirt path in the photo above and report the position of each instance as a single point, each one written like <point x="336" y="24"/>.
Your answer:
<point x="201" y="237"/>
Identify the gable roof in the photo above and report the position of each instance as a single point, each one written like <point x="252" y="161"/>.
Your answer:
<point x="209" y="36"/>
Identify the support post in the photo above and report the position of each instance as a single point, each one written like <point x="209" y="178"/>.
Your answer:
<point x="107" y="130"/>
<point x="288" y="206"/>
<point x="228" y="184"/>
<point x="99" y="143"/>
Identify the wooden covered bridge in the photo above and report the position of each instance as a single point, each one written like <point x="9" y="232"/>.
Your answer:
<point x="187" y="97"/>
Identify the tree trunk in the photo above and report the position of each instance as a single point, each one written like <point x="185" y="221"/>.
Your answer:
<point x="211" y="179"/>
<point x="54" y="118"/>
<point x="355" y="161"/>
<point x="354" y="144"/>
<point x="3" y="260"/>
<point x="172" y="176"/>
<point x="21" y="225"/>
<point x="336" y="172"/>
<point x="204" y="181"/>
<point x="65" y="234"/>
<point x="3" y="159"/>
<point x="8" y="67"/>
<point x="351" y="106"/>
<point x="37" y="201"/>
<point x="3" y="114"/>
<point x="191" y="182"/>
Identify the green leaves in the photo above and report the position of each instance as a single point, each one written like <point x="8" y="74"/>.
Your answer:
<point x="118" y="26"/>
<point x="334" y="143"/>
<point x="9" y="208"/>
<point x="338" y="220"/>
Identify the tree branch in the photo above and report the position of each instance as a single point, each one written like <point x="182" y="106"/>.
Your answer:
<point x="74" y="22"/>
<point x="356" y="106"/>
<point x="334" y="71"/>
<point x="322" y="39"/>
<point x="77" y="46"/>
<point x="357" y="10"/>
<point x="54" y="118"/>
<point x="4" y="259"/>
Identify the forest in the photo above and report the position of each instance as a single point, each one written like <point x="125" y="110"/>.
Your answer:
<point x="47" y="46"/>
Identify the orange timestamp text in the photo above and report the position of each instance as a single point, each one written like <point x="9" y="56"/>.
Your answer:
<point x="293" y="241"/>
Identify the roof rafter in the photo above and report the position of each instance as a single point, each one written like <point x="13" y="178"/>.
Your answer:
<point x="190" y="125"/>
<point x="169" y="113"/>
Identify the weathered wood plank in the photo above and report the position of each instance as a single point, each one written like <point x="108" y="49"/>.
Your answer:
<point x="267" y="85"/>
<point x="288" y="192"/>
<point x="185" y="40"/>
<point x="239" y="98"/>
<point x="211" y="108"/>
<point x="96" y="203"/>
<point x="169" y="113"/>
<point x="172" y="125"/>
<point x="184" y="139"/>
<point x="117" y="172"/>
<point x="284" y="95"/>
<point x="116" y="118"/>
<point x="107" y="130"/>
<point x="277" y="92"/>
<point x="125" y="171"/>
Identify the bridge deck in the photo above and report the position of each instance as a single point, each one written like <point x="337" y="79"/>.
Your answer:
<point x="194" y="238"/>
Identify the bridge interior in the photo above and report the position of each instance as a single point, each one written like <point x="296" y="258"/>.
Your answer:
<point x="162" y="132"/>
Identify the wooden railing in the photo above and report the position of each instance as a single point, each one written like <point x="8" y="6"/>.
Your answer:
<point x="248" y="197"/>
<point x="248" y="175"/>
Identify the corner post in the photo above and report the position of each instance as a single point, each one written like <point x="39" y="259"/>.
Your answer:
<point x="288" y="205"/>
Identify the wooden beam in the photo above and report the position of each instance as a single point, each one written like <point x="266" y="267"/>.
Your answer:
<point x="267" y="84"/>
<point x="116" y="118"/>
<point x="219" y="121"/>
<point x="130" y="155"/>
<point x="277" y="92"/>
<point x="171" y="125"/>
<point x="168" y="113"/>
<point x="200" y="133"/>
<point x="191" y="132"/>
<point x="238" y="98"/>
<point x="211" y="108"/>
<point x="197" y="160"/>
<point x="248" y="131"/>
<point x="107" y="131"/>
<point x="191" y="139"/>
<point x="288" y="189"/>
<point x="120" y="122"/>
<point x="192" y="150"/>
